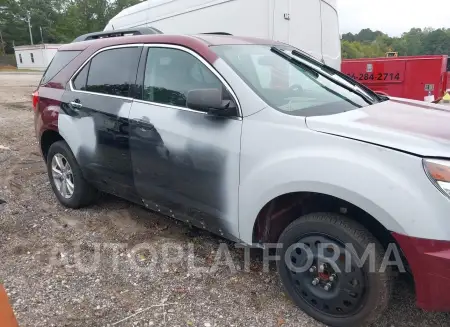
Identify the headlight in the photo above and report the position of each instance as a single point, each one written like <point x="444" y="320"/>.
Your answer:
<point x="439" y="173"/>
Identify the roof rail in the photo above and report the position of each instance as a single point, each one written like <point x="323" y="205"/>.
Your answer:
<point x="115" y="33"/>
<point x="218" y="33"/>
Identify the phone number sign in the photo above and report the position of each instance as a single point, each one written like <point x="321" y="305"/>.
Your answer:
<point x="376" y="76"/>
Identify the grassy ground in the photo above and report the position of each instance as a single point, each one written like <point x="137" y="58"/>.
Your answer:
<point x="12" y="69"/>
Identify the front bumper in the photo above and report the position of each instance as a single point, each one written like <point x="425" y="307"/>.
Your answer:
<point x="430" y="264"/>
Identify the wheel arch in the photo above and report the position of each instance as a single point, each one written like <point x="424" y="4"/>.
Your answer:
<point x="48" y="138"/>
<point x="281" y="210"/>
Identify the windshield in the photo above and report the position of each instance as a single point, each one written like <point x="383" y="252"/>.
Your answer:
<point x="290" y="85"/>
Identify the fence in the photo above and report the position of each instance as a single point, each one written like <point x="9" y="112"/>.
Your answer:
<point x="8" y="60"/>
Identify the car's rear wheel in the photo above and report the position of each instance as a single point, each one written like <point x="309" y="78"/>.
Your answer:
<point x="323" y="275"/>
<point x="66" y="178"/>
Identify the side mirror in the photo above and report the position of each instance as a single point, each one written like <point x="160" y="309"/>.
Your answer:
<point x="210" y="101"/>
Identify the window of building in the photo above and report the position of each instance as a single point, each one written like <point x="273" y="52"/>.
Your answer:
<point x="20" y="58"/>
<point x="32" y="57"/>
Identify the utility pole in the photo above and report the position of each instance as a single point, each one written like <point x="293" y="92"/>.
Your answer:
<point x="28" y="20"/>
<point x="42" y="37"/>
<point x="2" y="44"/>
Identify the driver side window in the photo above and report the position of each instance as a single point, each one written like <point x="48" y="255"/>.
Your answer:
<point x="171" y="73"/>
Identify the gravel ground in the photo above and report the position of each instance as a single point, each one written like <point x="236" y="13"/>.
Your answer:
<point x="77" y="268"/>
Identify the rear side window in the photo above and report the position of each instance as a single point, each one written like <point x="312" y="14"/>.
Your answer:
<point x="61" y="60"/>
<point x="113" y="71"/>
<point x="79" y="82"/>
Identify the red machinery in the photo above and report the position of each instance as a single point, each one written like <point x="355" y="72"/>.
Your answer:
<point x="404" y="77"/>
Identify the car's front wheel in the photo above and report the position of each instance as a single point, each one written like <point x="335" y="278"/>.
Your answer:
<point x="320" y="268"/>
<point x="66" y="178"/>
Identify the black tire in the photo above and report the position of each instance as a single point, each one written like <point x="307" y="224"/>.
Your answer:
<point x="83" y="193"/>
<point x="374" y="291"/>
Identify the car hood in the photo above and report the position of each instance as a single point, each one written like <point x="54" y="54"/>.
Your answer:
<point x="411" y="126"/>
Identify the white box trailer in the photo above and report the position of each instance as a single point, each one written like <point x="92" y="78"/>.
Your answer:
<point x="310" y="25"/>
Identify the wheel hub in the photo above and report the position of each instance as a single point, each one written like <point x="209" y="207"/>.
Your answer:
<point x="326" y="285"/>
<point x="63" y="176"/>
<point x="325" y="272"/>
<point x="323" y="277"/>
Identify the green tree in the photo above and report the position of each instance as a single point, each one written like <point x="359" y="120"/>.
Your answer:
<point x="348" y="37"/>
<point x="437" y="42"/>
<point x="415" y="42"/>
<point x="367" y="35"/>
<point x="61" y="20"/>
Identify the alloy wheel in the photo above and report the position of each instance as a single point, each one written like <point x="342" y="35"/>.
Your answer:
<point x="63" y="176"/>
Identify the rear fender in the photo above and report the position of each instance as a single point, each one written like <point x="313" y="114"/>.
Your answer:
<point x="47" y="114"/>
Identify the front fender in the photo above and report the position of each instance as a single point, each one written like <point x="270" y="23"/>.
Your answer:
<point x="389" y="185"/>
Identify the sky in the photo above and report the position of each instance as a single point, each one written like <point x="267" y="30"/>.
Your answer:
<point x="392" y="17"/>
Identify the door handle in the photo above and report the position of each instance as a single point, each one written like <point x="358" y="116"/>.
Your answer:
<point x="146" y="128"/>
<point x="76" y="104"/>
<point x="144" y="124"/>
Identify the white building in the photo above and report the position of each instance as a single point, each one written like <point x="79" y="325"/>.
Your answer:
<point x="36" y="57"/>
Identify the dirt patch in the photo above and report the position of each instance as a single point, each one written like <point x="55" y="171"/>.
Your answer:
<point x="19" y="105"/>
<point x="7" y="68"/>
<point x="66" y="267"/>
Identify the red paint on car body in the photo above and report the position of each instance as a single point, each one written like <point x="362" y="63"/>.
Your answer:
<point x="199" y="44"/>
<point x="88" y="48"/>
<point x="430" y="264"/>
<point x="216" y="39"/>
<point x="191" y="42"/>
<point x="46" y="116"/>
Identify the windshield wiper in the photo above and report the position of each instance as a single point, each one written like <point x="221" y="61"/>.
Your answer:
<point x="297" y="62"/>
<point x="307" y="57"/>
<point x="332" y="71"/>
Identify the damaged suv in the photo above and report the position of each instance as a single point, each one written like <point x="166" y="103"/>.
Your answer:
<point x="259" y="143"/>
